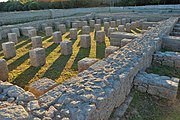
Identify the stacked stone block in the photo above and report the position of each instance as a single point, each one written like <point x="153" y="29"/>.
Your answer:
<point x="162" y="86"/>
<point x="97" y="27"/>
<point x="75" y="25"/>
<point x="85" y="41"/>
<point x="98" y="21"/>
<point x="118" y="22"/>
<point x="36" y="42"/>
<point x="106" y="27"/>
<point x="116" y="37"/>
<point x="121" y="28"/>
<point x="84" y="23"/>
<point x="16" y="30"/>
<point x="68" y="23"/>
<point x="100" y="36"/>
<point x="3" y="70"/>
<point x="123" y="21"/>
<point x="13" y="37"/>
<point x="48" y="31"/>
<point x="125" y="41"/>
<point x="85" y="63"/>
<point x="111" y="30"/>
<point x="113" y="24"/>
<point x="109" y="50"/>
<point x="32" y="33"/>
<point x="133" y="25"/>
<point x="41" y="86"/>
<point x="171" y="42"/>
<point x="37" y="57"/>
<point x="105" y="20"/>
<point x="86" y="29"/>
<point x="66" y="47"/>
<point x="24" y="30"/>
<point x="9" y="49"/>
<point x="92" y="23"/>
<point x="62" y="28"/>
<point x="128" y="27"/>
<point x="171" y="59"/>
<point x="73" y="33"/>
<point x="57" y="37"/>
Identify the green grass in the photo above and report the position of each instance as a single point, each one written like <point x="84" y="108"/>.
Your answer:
<point x="164" y="71"/>
<point x="143" y="107"/>
<point x="147" y="107"/>
<point x="168" y="49"/>
<point x="58" y="67"/>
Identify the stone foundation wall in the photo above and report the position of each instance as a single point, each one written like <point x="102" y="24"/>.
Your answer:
<point x="4" y="30"/>
<point x="97" y="91"/>
<point x="27" y="16"/>
<point x="171" y="42"/>
<point x="94" y="93"/>
<point x="171" y="59"/>
<point x="154" y="84"/>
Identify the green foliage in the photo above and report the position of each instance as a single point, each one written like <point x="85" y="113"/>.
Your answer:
<point x="18" y="5"/>
<point x="33" y="6"/>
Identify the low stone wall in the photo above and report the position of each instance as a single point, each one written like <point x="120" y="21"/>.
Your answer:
<point x="97" y="91"/>
<point x="171" y="59"/>
<point x="14" y="94"/>
<point x="4" y="30"/>
<point x="94" y="93"/>
<point x="154" y="84"/>
<point x="34" y="15"/>
<point x="171" y="42"/>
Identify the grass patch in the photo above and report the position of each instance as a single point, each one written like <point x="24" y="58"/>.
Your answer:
<point x="168" y="49"/>
<point x="58" y="67"/>
<point x="147" y="107"/>
<point x="164" y="71"/>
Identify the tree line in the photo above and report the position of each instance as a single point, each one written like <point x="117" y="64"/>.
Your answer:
<point x="25" y="5"/>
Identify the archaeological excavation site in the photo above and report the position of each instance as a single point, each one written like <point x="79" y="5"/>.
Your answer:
<point x="101" y="63"/>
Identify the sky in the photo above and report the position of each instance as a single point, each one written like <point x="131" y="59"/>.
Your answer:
<point x="3" y="0"/>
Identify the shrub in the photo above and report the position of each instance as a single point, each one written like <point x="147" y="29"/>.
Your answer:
<point x="33" y="6"/>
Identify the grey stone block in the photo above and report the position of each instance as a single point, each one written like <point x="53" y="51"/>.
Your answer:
<point x="24" y="30"/>
<point x="16" y="30"/>
<point x="48" y="31"/>
<point x="32" y="33"/>
<point x="111" y="49"/>
<point x="92" y="23"/>
<point x="36" y="42"/>
<point x="73" y="33"/>
<point x="13" y="37"/>
<point x="66" y="47"/>
<point x="85" y="63"/>
<point x="62" y="28"/>
<point x="113" y="24"/>
<point x="111" y="30"/>
<point x="128" y="27"/>
<point x="37" y="57"/>
<point x="98" y="21"/>
<point x="85" y="41"/>
<point x="100" y="36"/>
<point x="121" y="28"/>
<point x="97" y="27"/>
<point x="125" y="41"/>
<point x="57" y="37"/>
<point x="9" y="49"/>
<point x="3" y="70"/>
<point x="86" y="29"/>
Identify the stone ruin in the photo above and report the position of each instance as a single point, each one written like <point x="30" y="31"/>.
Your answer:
<point x="102" y="87"/>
